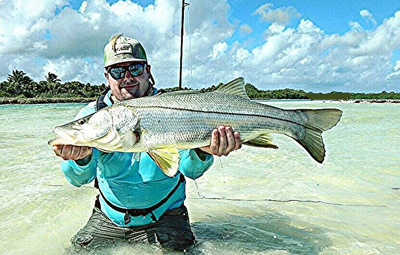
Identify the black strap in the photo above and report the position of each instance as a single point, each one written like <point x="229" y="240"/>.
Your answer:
<point x="144" y="211"/>
<point x="100" y="104"/>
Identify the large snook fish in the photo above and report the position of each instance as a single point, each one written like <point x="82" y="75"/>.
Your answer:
<point x="163" y="124"/>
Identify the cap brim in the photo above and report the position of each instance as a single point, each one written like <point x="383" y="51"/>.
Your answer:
<point x="124" y="61"/>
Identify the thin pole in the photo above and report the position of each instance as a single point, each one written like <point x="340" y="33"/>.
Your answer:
<point x="181" y="57"/>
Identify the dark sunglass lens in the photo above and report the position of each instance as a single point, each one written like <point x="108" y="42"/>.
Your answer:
<point x="136" y="69"/>
<point x="117" y="72"/>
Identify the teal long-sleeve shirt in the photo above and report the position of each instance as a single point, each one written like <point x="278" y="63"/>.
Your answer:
<point x="133" y="180"/>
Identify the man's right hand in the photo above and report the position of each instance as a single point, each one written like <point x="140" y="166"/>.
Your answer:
<point x="72" y="152"/>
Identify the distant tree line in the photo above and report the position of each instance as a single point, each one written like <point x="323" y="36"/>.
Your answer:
<point x="257" y="94"/>
<point x="20" y="85"/>
<point x="382" y="95"/>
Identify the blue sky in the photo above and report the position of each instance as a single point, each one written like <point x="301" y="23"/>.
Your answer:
<point x="312" y="45"/>
<point x="332" y="16"/>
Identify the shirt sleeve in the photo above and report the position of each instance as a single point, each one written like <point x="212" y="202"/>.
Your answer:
<point x="75" y="172"/>
<point x="192" y="166"/>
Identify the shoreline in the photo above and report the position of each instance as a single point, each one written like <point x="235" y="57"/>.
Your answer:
<point x="12" y="100"/>
<point x="369" y="101"/>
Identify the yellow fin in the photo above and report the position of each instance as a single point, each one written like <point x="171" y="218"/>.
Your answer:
<point x="167" y="159"/>
<point x="263" y="141"/>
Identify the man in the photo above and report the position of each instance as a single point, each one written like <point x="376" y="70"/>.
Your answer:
<point x="137" y="202"/>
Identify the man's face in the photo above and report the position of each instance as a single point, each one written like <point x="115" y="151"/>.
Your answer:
<point x="129" y="86"/>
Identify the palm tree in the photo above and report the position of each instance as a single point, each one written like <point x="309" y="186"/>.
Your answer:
<point x="52" y="78"/>
<point x="19" y="77"/>
<point x="53" y="83"/>
<point x="18" y="81"/>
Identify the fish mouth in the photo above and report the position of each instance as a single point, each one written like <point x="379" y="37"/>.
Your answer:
<point x="62" y="137"/>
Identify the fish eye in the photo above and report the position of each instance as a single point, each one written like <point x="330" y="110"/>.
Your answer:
<point x="81" y="121"/>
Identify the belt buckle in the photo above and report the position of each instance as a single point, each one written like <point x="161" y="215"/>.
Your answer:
<point x="127" y="217"/>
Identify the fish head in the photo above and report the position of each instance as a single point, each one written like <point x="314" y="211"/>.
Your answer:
<point x="124" y="119"/>
<point x="84" y="131"/>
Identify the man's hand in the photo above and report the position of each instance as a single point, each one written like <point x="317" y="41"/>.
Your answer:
<point x="72" y="152"/>
<point x="223" y="141"/>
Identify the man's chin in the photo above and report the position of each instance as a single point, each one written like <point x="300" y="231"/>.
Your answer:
<point x="130" y="94"/>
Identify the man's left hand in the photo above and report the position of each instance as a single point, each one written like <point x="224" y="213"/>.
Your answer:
<point x="223" y="141"/>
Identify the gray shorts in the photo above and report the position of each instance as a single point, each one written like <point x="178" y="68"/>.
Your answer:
<point x="171" y="231"/>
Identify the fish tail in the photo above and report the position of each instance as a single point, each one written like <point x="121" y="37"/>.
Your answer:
<point x="317" y="121"/>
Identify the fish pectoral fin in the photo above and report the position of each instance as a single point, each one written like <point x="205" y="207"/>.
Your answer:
<point x="167" y="159"/>
<point x="264" y="141"/>
<point x="129" y="140"/>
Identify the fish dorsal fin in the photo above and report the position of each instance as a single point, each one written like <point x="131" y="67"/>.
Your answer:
<point x="235" y="87"/>
<point x="264" y="141"/>
<point x="167" y="159"/>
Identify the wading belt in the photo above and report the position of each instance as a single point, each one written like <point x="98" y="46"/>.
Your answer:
<point x="144" y="211"/>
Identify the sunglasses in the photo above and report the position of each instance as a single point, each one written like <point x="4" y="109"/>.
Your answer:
<point x="118" y="72"/>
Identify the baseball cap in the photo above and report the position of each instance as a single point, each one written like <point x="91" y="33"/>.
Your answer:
<point x="121" y="49"/>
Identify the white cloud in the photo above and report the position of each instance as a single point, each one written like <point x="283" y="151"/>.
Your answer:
<point x="355" y="26"/>
<point x="395" y="75"/>
<point x="381" y="41"/>
<point x="397" y="66"/>
<point x="21" y="27"/>
<point x="219" y="49"/>
<point x="83" y="7"/>
<point x="280" y="15"/>
<point x="245" y="29"/>
<point x="241" y="54"/>
<point x="70" y="44"/>
<point x="73" y="69"/>
<point x="366" y="14"/>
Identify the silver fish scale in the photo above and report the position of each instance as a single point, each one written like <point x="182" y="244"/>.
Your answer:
<point x="186" y="120"/>
<point x="216" y="102"/>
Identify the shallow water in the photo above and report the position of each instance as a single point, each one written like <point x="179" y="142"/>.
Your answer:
<point x="256" y="201"/>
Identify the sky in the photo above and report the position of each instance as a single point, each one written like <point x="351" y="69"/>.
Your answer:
<point x="313" y="45"/>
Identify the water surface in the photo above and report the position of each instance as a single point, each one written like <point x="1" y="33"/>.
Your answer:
<point x="256" y="201"/>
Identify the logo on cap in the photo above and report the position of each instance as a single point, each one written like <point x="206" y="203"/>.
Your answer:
<point x="123" y="49"/>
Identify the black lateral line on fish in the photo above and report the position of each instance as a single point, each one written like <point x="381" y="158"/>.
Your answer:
<point x="253" y="115"/>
